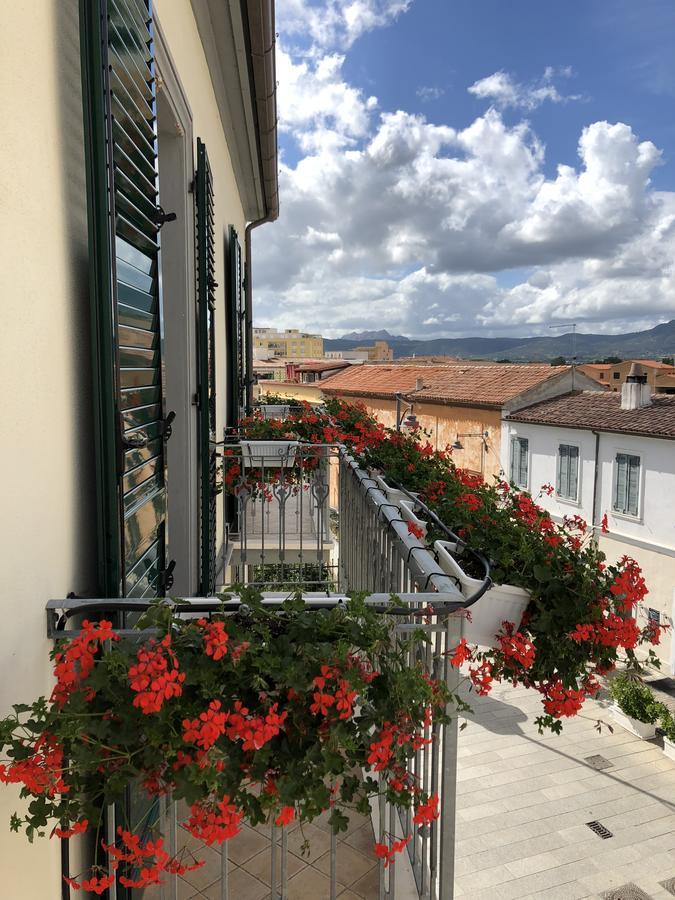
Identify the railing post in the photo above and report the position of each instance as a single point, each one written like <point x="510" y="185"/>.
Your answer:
<point x="448" y="794"/>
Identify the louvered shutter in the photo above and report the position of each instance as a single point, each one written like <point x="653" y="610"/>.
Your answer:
<point x="563" y="470"/>
<point x="124" y="220"/>
<point x="633" y="486"/>
<point x="621" y="482"/>
<point x="206" y="302"/>
<point x="573" y="472"/>
<point x="523" y="461"/>
<point x="236" y="334"/>
<point x="515" y="459"/>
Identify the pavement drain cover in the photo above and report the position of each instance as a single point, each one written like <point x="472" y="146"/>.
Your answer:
<point x="628" y="891"/>
<point x="602" y="832"/>
<point x="669" y="885"/>
<point x="598" y="762"/>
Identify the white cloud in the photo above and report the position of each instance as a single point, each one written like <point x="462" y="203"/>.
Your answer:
<point x="426" y="94"/>
<point x="336" y="23"/>
<point x="503" y="91"/>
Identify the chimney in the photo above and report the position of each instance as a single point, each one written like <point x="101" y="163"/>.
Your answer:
<point x="636" y="393"/>
<point x="419" y="384"/>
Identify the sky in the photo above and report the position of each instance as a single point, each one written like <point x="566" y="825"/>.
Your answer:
<point x="472" y="167"/>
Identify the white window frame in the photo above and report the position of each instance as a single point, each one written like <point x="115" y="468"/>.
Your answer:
<point x="624" y="514"/>
<point x="520" y="439"/>
<point x="562" y="497"/>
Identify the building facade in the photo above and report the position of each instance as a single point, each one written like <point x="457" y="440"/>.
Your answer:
<point x="602" y="459"/>
<point x="289" y="343"/>
<point x="140" y="127"/>
<point x="613" y="376"/>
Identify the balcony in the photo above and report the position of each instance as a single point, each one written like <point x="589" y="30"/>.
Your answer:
<point x="306" y="517"/>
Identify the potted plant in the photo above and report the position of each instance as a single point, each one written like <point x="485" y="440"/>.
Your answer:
<point x="635" y="707"/>
<point x="667" y="724"/>
<point x="502" y="603"/>
<point x="253" y="714"/>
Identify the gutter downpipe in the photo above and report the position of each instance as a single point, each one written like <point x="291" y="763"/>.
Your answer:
<point x="260" y="18"/>
<point x="594" y="512"/>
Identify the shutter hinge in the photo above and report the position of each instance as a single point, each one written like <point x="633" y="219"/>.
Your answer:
<point x="197" y="401"/>
<point x="166" y="425"/>
<point x="160" y="217"/>
<point x="167" y="576"/>
<point x="191" y="187"/>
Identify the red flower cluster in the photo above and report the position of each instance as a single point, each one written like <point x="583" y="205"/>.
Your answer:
<point x="156" y="677"/>
<point x="382" y="851"/>
<point x="482" y="678"/>
<point x="215" y="638"/>
<point x="342" y="698"/>
<point x="96" y="885"/>
<point x="254" y="731"/>
<point x="214" y="822"/>
<point x="149" y="860"/>
<point x="629" y="586"/>
<point x="42" y="771"/>
<point x="461" y="654"/>
<point x="515" y="646"/>
<point x="205" y="730"/>
<point x="74" y="664"/>
<point x="427" y="812"/>
<point x="416" y="530"/>
<point x="381" y="750"/>
<point x="560" y="701"/>
<point x="286" y="816"/>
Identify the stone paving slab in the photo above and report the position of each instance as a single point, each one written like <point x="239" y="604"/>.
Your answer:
<point x="524" y="800"/>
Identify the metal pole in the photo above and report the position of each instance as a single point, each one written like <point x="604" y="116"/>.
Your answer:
<point x="449" y="772"/>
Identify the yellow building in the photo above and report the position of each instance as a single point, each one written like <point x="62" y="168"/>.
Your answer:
<point x="288" y="343"/>
<point x="141" y="124"/>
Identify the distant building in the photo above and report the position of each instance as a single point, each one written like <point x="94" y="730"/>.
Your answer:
<point x="613" y="376"/>
<point x="309" y="371"/>
<point x="289" y="342"/>
<point x="608" y="453"/>
<point x="380" y="351"/>
<point x="458" y="404"/>
<point x="354" y="355"/>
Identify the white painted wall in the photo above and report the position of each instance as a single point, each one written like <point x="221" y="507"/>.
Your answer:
<point x="648" y="538"/>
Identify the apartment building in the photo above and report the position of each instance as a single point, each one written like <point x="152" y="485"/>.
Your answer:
<point x="288" y="343"/>
<point x="613" y="454"/>
<point x="613" y="376"/>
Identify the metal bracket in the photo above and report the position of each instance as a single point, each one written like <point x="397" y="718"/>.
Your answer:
<point x="160" y="217"/>
<point x="166" y="425"/>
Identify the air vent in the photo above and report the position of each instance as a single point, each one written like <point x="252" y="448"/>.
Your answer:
<point x="600" y="830"/>
<point x="598" y="762"/>
<point x="628" y="891"/>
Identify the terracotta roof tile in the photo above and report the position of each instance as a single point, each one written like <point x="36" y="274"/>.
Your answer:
<point x="491" y="385"/>
<point x="602" y="411"/>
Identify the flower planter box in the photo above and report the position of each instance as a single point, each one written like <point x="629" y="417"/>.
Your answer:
<point x="643" y="730"/>
<point x="406" y="507"/>
<point x="669" y="748"/>
<point x="502" y="603"/>
<point x="270" y="454"/>
<point x="393" y="494"/>
<point x="274" y="410"/>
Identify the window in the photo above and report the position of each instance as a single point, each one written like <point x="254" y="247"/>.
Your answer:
<point x="602" y="376"/>
<point x="626" y="484"/>
<point x="616" y="375"/>
<point x="519" y="451"/>
<point x="568" y="472"/>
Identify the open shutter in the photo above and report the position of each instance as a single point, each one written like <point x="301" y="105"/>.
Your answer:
<point x="124" y="220"/>
<point x="523" y="461"/>
<point x="563" y="470"/>
<point x="633" y="489"/>
<point x="573" y="472"/>
<point x="236" y="334"/>
<point x="620" y="487"/>
<point x="206" y="301"/>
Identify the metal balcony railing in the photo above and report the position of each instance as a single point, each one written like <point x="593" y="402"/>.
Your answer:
<point x="309" y="517"/>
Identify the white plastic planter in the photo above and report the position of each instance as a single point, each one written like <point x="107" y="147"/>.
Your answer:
<point x="669" y="748"/>
<point x="643" y="730"/>
<point x="407" y="514"/>
<point x="268" y="454"/>
<point x="393" y="494"/>
<point x="274" y="411"/>
<point x="502" y="603"/>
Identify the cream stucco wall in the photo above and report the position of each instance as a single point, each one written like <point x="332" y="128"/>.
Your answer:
<point x="46" y="455"/>
<point x="46" y="452"/>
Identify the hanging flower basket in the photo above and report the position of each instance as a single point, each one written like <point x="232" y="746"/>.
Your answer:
<point x="254" y="714"/>
<point x="268" y="454"/>
<point x="502" y="603"/>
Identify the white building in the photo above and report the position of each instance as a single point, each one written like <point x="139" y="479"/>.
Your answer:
<point x="608" y="454"/>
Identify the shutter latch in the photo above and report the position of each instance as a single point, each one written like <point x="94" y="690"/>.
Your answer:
<point x="166" y="425"/>
<point x="167" y="577"/>
<point x="160" y="217"/>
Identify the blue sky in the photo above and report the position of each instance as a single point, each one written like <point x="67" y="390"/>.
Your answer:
<point x="421" y="145"/>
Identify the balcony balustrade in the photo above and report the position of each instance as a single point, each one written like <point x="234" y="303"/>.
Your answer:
<point x="308" y="517"/>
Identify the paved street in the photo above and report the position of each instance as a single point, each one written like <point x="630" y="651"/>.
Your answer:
<point x="524" y="801"/>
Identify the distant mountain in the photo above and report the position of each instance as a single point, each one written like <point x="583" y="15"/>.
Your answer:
<point x="652" y="344"/>
<point x="381" y="335"/>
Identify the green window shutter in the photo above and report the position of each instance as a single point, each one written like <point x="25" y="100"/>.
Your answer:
<point x="621" y="483"/>
<point x="126" y="309"/>
<point x="633" y="486"/>
<point x="524" y="444"/>
<point x="515" y="459"/>
<point x="236" y="334"/>
<point x="573" y="472"/>
<point x="206" y="303"/>
<point x="563" y="470"/>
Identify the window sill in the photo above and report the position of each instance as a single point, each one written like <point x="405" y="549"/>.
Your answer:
<point x="568" y="501"/>
<point x="627" y="517"/>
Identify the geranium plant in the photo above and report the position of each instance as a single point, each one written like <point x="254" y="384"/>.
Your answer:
<point x="253" y="714"/>
<point x="582" y="615"/>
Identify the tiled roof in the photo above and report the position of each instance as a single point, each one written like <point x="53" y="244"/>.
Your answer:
<point x="467" y="385"/>
<point x="602" y="411"/>
<point x="323" y="365"/>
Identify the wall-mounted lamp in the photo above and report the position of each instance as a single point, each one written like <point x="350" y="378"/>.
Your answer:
<point x="408" y="411"/>
<point x="458" y="445"/>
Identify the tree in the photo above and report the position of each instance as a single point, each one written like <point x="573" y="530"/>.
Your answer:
<point x="558" y="361"/>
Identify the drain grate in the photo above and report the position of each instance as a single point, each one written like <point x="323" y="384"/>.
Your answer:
<point x="669" y="885"/>
<point x="600" y="830"/>
<point x="628" y="891"/>
<point x="598" y="762"/>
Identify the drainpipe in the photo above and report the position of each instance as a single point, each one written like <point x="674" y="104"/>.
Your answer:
<point x="596" y="472"/>
<point x="259" y="16"/>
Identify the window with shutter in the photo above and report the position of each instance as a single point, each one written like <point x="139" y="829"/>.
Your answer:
<point x="568" y="471"/>
<point x="206" y="302"/>
<point x="627" y="484"/>
<point x="124" y="221"/>
<point x="519" y="461"/>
